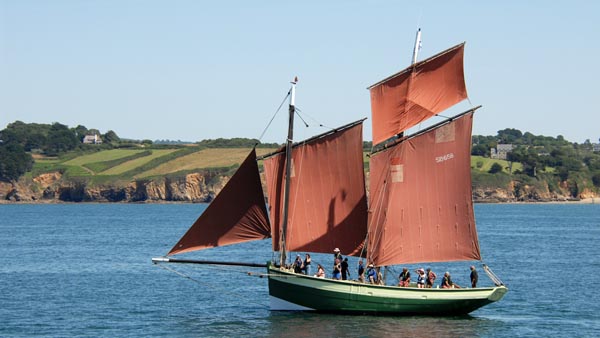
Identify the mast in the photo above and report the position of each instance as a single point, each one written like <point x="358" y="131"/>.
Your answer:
<point x="288" y="171"/>
<point x="417" y="46"/>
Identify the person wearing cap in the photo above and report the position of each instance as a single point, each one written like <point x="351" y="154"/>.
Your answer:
<point x="404" y="278"/>
<point x="337" y="254"/>
<point x="474" y="277"/>
<point x="372" y="275"/>
<point x="420" y="278"/>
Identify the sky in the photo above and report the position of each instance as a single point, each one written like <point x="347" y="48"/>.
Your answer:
<point x="194" y="70"/>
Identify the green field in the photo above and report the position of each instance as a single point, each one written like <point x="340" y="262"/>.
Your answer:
<point x="484" y="164"/>
<point x="126" y="164"/>
<point x="101" y="156"/>
<point x="206" y="158"/>
<point x="130" y="165"/>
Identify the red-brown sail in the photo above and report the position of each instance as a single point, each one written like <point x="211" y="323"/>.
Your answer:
<point x="421" y="201"/>
<point x="238" y="214"/>
<point x="328" y="206"/>
<point x="417" y="93"/>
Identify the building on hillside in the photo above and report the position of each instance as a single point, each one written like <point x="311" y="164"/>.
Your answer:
<point x="92" y="139"/>
<point x="501" y="151"/>
<point x="596" y="146"/>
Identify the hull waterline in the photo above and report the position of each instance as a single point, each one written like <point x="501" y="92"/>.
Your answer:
<point x="290" y="291"/>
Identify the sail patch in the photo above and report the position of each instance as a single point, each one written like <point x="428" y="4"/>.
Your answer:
<point x="397" y="171"/>
<point x="445" y="133"/>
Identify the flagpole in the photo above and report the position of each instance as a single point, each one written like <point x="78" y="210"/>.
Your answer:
<point x="417" y="46"/>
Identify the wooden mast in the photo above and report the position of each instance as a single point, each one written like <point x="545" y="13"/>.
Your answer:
<point x="288" y="172"/>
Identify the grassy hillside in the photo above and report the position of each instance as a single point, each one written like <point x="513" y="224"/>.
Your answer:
<point x="140" y="163"/>
<point x="135" y="163"/>
<point x="485" y="163"/>
<point x="126" y="164"/>
<point x="206" y="158"/>
<point x="102" y="156"/>
<point x="117" y="167"/>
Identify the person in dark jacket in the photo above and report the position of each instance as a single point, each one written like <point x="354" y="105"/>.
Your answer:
<point x="474" y="277"/>
<point x="345" y="271"/>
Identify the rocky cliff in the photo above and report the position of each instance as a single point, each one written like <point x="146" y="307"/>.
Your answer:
<point x="199" y="187"/>
<point x="53" y="188"/>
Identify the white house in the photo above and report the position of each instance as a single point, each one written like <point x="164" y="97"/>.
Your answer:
<point x="92" y="139"/>
<point x="501" y="151"/>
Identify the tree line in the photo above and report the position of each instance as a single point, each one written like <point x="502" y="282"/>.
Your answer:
<point x="538" y="153"/>
<point x="19" y="140"/>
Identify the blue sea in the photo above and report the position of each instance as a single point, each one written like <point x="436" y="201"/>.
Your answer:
<point x="86" y="270"/>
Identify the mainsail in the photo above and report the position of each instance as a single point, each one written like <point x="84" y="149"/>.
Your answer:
<point x="421" y="200"/>
<point x="328" y="205"/>
<point x="417" y="93"/>
<point x="238" y="214"/>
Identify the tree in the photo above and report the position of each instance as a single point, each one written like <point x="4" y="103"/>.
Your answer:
<point x="495" y="168"/>
<point x="15" y="161"/>
<point x="596" y="180"/>
<point x="110" y="137"/>
<point x="60" y="139"/>
<point x="509" y="135"/>
<point x="80" y="132"/>
<point x="480" y="150"/>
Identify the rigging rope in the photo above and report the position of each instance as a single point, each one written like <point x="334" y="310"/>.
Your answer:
<point x="298" y="111"/>
<point x="221" y="290"/>
<point x="272" y="118"/>
<point x="315" y="120"/>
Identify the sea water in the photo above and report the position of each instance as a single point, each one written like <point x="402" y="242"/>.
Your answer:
<point x="85" y="270"/>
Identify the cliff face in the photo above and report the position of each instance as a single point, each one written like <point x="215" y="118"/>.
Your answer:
<point x="53" y="188"/>
<point x="197" y="187"/>
<point x="519" y="192"/>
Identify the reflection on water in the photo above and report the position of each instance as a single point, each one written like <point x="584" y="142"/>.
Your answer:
<point x="289" y="324"/>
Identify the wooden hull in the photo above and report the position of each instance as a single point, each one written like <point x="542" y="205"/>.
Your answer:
<point x="290" y="291"/>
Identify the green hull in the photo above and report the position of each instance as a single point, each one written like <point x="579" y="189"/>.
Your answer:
<point x="290" y="291"/>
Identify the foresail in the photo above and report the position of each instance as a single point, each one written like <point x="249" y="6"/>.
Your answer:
<point x="238" y="214"/>
<point x="421" y="198"/>
<point x="328" y="205"/>
<point x="417" y="93"/>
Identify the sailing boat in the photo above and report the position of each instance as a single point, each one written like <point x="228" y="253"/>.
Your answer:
<point x="420" y="201"/>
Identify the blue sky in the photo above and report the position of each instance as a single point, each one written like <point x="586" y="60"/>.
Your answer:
<point x="194" y="70"/>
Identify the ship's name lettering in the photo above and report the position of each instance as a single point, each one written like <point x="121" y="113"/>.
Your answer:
<point x="440" y="159"/>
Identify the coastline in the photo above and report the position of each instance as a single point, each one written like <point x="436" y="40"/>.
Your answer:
<point x="592" y="200"/>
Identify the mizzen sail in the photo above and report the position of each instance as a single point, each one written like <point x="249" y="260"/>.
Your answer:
<point x="413" y="95"/>
<point x="421" y="200"/>
<point x="328" y="205"/>
<point x="238" y="214"/>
